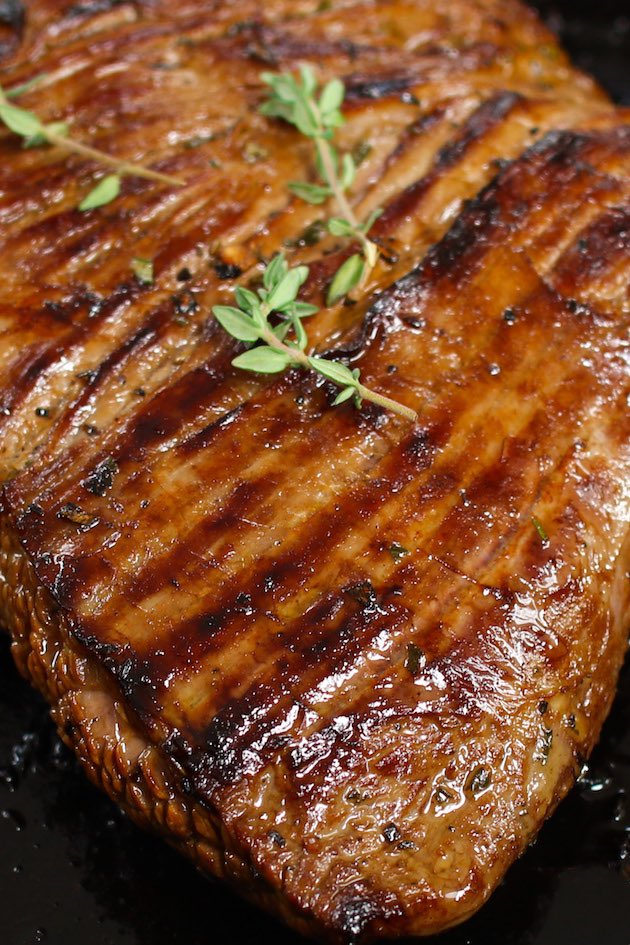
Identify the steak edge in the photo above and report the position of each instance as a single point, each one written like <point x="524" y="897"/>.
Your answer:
<point x="348" y="664"/>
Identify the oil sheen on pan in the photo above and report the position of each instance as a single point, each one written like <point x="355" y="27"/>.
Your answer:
<point x="348" y="663"/>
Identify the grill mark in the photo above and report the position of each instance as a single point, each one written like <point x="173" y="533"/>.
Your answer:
<point x="87" y="316"/>
<point x="250" y="719"/>
<point x="64" y="229"/>
<point x="368" y="87"/>
<point x="164" y="415"/>
<point x="582" y="191"/>
<point x="73" y="238"/>
<point x="362" y="87"/>
<point x="244" y="721"/>
<point x="154" y="421"/>
<point x="598" y="248"/>
<point x="292" y="568"/>
<point x="114" y="43"/>
<point x="144" y="336"/>
<point x="26" y="373"/>
<point x="244" y="496"/>
<point x="497" y="205"/>
<point x="416" y="129"/>
<point x="271" y="46"/>
<point x="488" y="116"/>
<point x="323" y="267"/>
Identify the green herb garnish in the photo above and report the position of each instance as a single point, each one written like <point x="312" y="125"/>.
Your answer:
<point x="317" y="115"/>
<point x="35" y="133"/>
<point x="540" y="528"/>
<point x="105" y="191"/>
<point x="142" y="269"/>
<point x="18" y="90"/>
<point x="397" y="551"/>
<point x="284" y="345"/>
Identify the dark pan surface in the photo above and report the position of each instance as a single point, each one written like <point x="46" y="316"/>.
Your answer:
<point x="74" y="871"/>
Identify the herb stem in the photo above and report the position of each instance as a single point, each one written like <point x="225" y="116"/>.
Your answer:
<point x="300" y="358"/>
<point x="366" y="394"/>
<point x="345" y="209"/>
<point x="317" y="116"/>
<point x="101" y="157"/>
<point x="122" y="167"/>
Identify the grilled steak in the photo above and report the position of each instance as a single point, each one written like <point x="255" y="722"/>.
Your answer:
<point x="348" y="663"/>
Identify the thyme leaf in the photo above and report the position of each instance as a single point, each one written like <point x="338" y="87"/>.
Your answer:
<point x="317" y="114"/>
<point x="540" y="528"/>
<point x="105" y="191"/>
<point x="283" y="345"/>
<point x="35" y="133"/>
<point x="142" y="269"/>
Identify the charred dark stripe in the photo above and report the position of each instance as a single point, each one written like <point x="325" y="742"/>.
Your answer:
<point x="167" y="412"/>
<point x="243" y="722"/>
<point x="270" y="46"/>
<point x="597" y="249"/>
<point x="92" y="7"/>
<point x="291" y="570"/>
<point x="86" y="313"/>
<point x="499" y="206"/>
<point x="25" y="373"/>
<point x="144" y="336"/>
<point x="223" y="747"/>
<point x="415" y="130"/>
<point x="183" y="558"/>
<point x="244" y="497"/>
<point x="63" y="231"/>
<point x="156" y="420"/>
<point x="360" y="87"/>
<point x="482" y="121"/>
<point x="487" y="117"/>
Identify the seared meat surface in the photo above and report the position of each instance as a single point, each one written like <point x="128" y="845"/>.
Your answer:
<point x="348" y="663"/>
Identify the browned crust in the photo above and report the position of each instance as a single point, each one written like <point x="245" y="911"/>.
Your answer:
<point x="111" y="745"/>
<point x="117" y="756"/>
<point x="225" y="644"/>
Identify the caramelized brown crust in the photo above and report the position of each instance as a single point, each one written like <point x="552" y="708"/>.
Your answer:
<point x="349" y="664"/>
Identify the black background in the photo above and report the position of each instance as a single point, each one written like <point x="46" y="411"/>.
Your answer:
<point x="74" y="871"/>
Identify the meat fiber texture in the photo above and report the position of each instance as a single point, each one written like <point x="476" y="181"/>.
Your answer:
<point x="346" y="662"/>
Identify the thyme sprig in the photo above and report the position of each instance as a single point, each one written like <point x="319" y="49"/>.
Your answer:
<point x="285" y="344"/>
<point x="34" y="133"/>
<point x="317" y="115"/>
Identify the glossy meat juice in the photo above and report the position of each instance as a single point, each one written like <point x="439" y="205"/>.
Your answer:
<point x="349" y="663"/>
